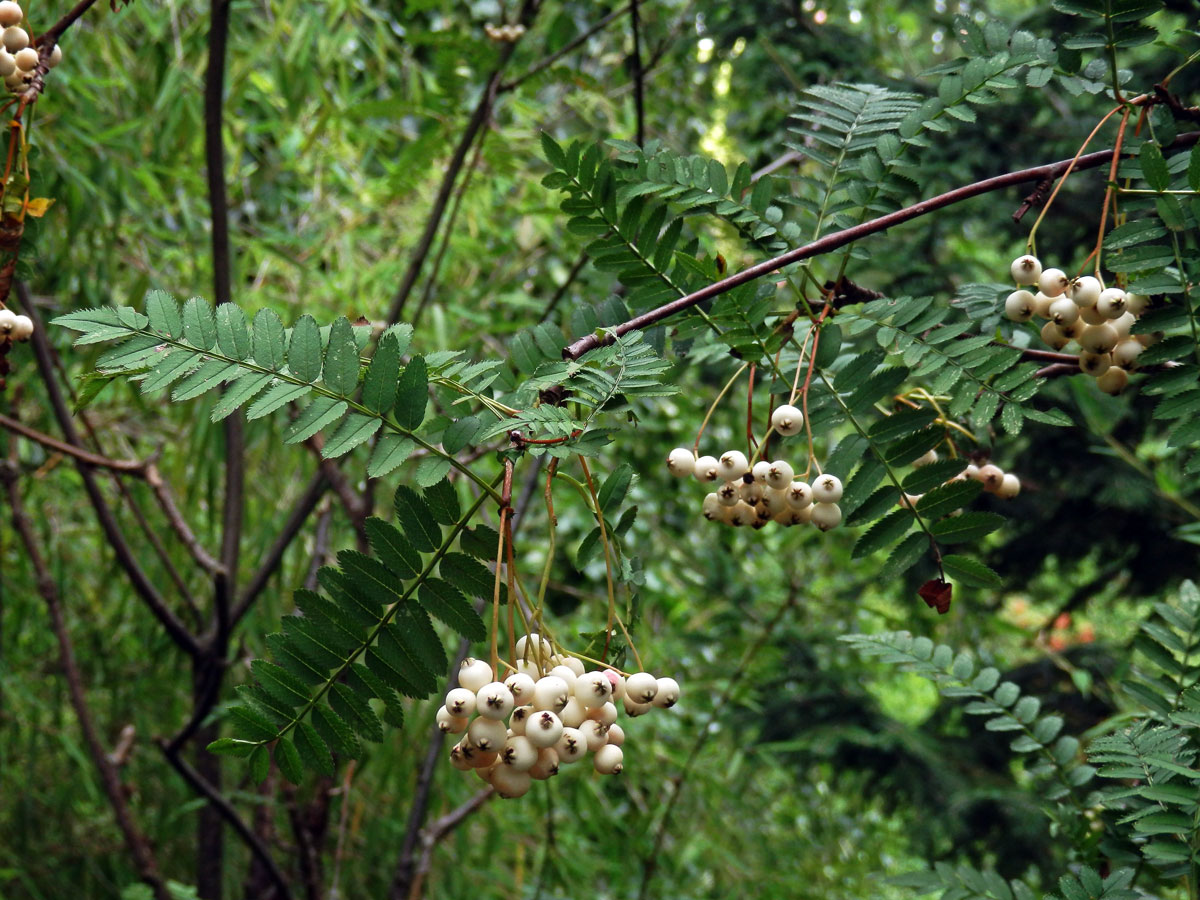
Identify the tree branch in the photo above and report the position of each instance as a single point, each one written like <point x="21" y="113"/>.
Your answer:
<point x="639" y="76"/>
<point x="139" y="847"/>
<point x="571" y="45"/>
<point x="842" y="238"/>
<point x="131" y="466"/>
<point x="104" y="514"/>
<point x="219" y="802"/>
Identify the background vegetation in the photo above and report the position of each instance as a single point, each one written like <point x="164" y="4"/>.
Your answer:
<point x="797" y="764"/>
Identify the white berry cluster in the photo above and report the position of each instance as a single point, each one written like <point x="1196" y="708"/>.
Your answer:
<point x="504" y="33"/>
<point x="1004" y="485"/>
<point x="14" y="327"/>
<point x="1083" y="311"/>
<point x="765" y="492"/>
<point x="543" y="716"/>
<point x="18" y="58"/>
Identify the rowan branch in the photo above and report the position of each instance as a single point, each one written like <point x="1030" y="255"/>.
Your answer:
<point x="131" y="466"/>
<point x="841" y="238"/>
<point x="567" y="48"/>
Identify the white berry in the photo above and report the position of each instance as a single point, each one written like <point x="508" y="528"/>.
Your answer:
<point x="1026" y="269"/>
<point x="450" y="724"/>
<point x="550" y="693"/>
<point x="594" y="733"/>
<point x="733" y="464"/>
<point x="1095" y="364"/>
<point x="787" y="420"/>
<point x="55" y="56"/>
<point x="1098" y="338"/>
<point x="1053" y="336"/>
<point x="509" y="783"/>
<point x="460" y="702"/>
<point x="668" y="693"/>
<point x="1063" y="311"/>
<point x="681" y="462"/>
<point x="521" y="687"/>
<point x="473" y="674"/>
<point x="799" y="495"/>
<point x="827" y="489"/>
<point x="641" y="687"/>
<point x="1113" y="381"/>
<point x="741" y="515"/>
<point x="494" y="701"/>
<point x="633" y="709"/>
<point x="593" y="689"/>
<point x="519" y="719"/>
<point x="519" y="753"/>
<point x="573" y="713"/>
<point x="26" y="59"/>
<point x="546" y="765"/>
<point x="991" y="475"/>
<point x="1136" y="303"/>
<point x="1010" y="486"/>
<point x="1085" y="291"/>
<point x="487" y="734"/>
<point x="1111" y="303"/>
<point x="1020" y="306"/>
<point x="571" y="746"/>
<point x="609" y="760"/>
<point x="543" y="728"/>
<point x="826" y="515"/>
<point x="1052" y="282"/>
<point x="779" y="475"/>
<point x="616" y="735"/>
<point x="925" y="459"/>
<point x="707" y="468"/>
<point x="606" y="714"/>
<point x="567" y="674"/>
<point x="1126" y="352"/>
<point x="10" y="13"/>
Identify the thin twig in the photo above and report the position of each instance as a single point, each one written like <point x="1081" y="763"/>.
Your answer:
<point x="221" y="804"/>
<point x="567" y="48"/>
<point x="104" y="514"/>
<point x="139" y="847"/>
<point x="132" y="466"/>
<point x="639" y="82"/>
<point x="166" y="501"/>
<point x="437" y="831"/>
<point x="841" y="238"/>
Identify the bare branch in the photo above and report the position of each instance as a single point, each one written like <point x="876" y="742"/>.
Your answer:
<point x="104" y="514"/>
<point x="567" y="48"/>
<point x="131" y="466"/>
<point x="139" y="847"/>
<point x="166" y="501"/>
<point x="842" y="238"/>
<point x="639" y="75"/>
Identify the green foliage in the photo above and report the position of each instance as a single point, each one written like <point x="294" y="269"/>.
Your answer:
<point x="368" y="638"/>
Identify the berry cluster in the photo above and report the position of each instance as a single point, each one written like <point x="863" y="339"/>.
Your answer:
<point x="14" y="327"/>
<point x="1081" y="310"/>
<point x="18" y="58"/>
<point x="549" y="712"/>
<point x="506" y="34"/>
<point x="765" y="492"/>
<point x="1004" y="485"/>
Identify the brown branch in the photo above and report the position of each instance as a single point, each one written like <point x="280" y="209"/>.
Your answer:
<point x="567" y="48"/>
<point x="437" y="831"/>
<point x="221" y="804"/>
<point x="104" y="514"/>
<point x="131" y="466"/>
<point x="1036" y="197"/>
<point x="481" y="114"/>
<point x="1186" y="113"/>
<point x="166" y="501"/>
<point x="842" y="238"/>
<point x="639" y="75"/>
<point x="54" y="32"/>
<point x="1056" y="370"/>
<point x="139" y="847"/>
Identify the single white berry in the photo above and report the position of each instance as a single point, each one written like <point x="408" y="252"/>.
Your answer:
<point x="733" y="464"/>
<point x="741" y="515"/>
<point x="8" y="321"/>
<point x="26" y="59"/>
<point x="573" y="713"/>
<point x="10" y="13"/>
<point x="55" y="56"/>
<point x="711" y="508"/>
<point x="1136" y="303"/>
<point x="487" y="734"/>
<point x="521" y="686"/>
<point x="15" y="38"/>
<point x="750" y="491"/>
<point x="668" y="693"/>
<point x="546" y="765"/>
<point x="1053" y="336"/>
<point x="799" y="495"/>
<point x="474" y="674"/>
<point x="1113" y="381"/>
<point x="458" y="758"/>
<point x="827" y="489"/>
<point x="930" y="456"/>
<point x="972" y="471"/>
<point x="510" y="783"/>
<point x="1026" y="269"/>
<point x="729" y="494"/>
<point x="779" y="475"/>
<point x="795" y="516"/>
<point x="605" y="714"/>
<point x="1098" y="338"/>
<point x="681" y="462"/>
<point x="494" y="701"/>
<point x="460" y="702"/>
<point x="787" y="420"/>
<point x="1041" y="305"/>
<point x="618" y="683"/>
<point x="759" y="471"/>
<point x="593" y="689"/>
<point x="543" y="728"/>
<point x="1126" y="352"/>
<point x="1020" y="306"/>
<point x="535" y="647"/>
<point x="1095" y="364"/>
<point x="1085" y="291"/>
<point x="1092" y="316"/>
<point x="1063" y="311"/>
<point x="641" y="687"/>
<point x="487" y="773"/>
<point x="775" y="502"/>
<point x="451" y="724"/>
<point x="991" y="475"/>
<point x="633" y="709"/>
<point x="1052" y="282"/>
<point x="476" y="758"/>
<point x="519" y="753"/>
<point x="616" y="735"/>
<point x="567" y="674"/>
<point x="594" y="733"/>
<point x="551" y="693"/>
<point x="571" y="746"/>
<point x="8" y="63"/>
<point x="707" y="468"/>
<point x="826" y="515"/>
<point x="574" y="663"/>
<point x="1112" y="303"/>
<point x="1010" y="486"/>
<point x="530" y="668"/>
<point x="1124" y="324"/>
<point x="609" y="760"/>
<point x="519" y="719"/>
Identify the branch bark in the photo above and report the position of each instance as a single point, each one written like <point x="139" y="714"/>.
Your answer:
<point x="139" y="848"/>
<point x="841" y="238"/>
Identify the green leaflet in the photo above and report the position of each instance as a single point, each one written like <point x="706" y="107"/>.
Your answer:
<point x="304" y="350"/>
<point x="341" y="359"/>
<point x="412" y="395"/>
